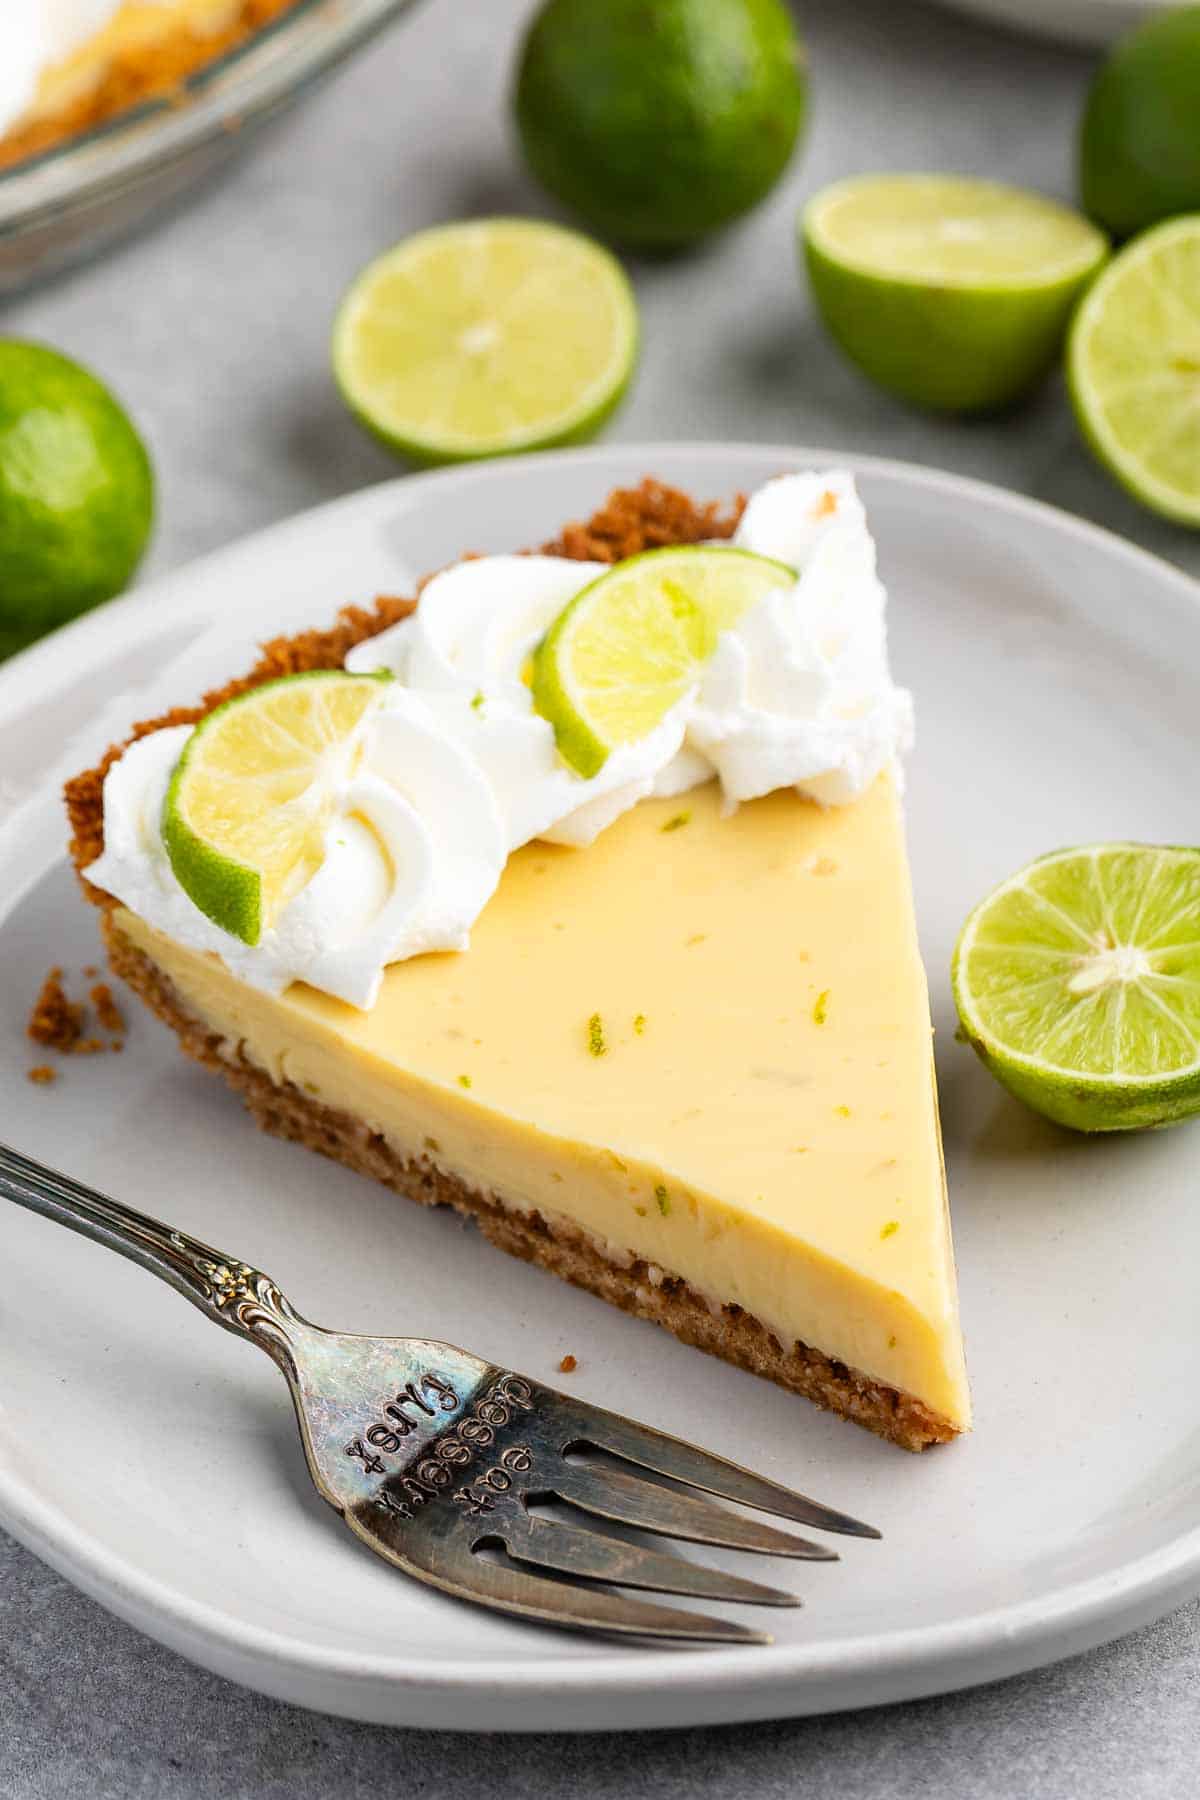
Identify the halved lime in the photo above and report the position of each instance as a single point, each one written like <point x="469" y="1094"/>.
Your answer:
<point x="1134" y="368"/>
<point x="953" y="293"/>
<point x="629" y="647"/>
<point x="1078" y="983"/>
<point x="485" y="338"/>
<point x="246" y="810"/>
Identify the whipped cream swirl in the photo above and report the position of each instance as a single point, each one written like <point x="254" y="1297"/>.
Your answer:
<point x="456" y="770"/>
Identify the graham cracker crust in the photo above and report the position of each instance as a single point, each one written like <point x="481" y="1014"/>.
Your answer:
<point x="634" y="519"/>
<point x="554" y="1244"/>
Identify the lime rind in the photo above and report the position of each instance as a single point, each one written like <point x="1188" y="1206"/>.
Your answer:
<point x="1077" y="982"/>
<point x="228" y="891"/>
<point x="460" y="357"/>
<point x="225" y="891"/>
<point x="1150" y="341"/>
<point x="633" y="642"/>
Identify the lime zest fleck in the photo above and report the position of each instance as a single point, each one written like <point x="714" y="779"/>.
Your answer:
<point x="596" y="1043"/>
<point x="697" y="937"/>
<point x="639" y="1024"/>
<point x="821" y="1008"/>
<point x="662" y="1200"/>
<point x="890" y="1229"/>
<point x="843" y="1112"/>
<point x="640" y="1211"/>
<point x="431" y="1143"/>
<point x="477" y="700"/>
<point x="892" y="1341"/>
<point x="464" y="1081"/>
<point x="677" y="822"/>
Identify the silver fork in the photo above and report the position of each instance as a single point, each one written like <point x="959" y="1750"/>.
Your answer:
<point x="433" y="1456"/>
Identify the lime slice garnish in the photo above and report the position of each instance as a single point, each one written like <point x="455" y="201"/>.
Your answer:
<point x="247" y="807"/>
<point x="952" y="293"/>
<point x="485" y="338"/>
<point x="1078" y="983"/>
<point x="630" y="646"/>
<point x="1134" y="369"/>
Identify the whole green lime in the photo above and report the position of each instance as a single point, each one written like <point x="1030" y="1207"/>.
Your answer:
<point x="659" y="121"/>
<point x="1139" y="147"/>
<point x="76" y="493"/>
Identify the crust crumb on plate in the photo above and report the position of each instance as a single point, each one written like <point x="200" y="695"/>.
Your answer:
<point x="109" y="1014"/>
<point x="55" y="1021"/>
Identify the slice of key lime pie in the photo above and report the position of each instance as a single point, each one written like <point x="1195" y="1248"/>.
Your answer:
<point x="575" y="896"/>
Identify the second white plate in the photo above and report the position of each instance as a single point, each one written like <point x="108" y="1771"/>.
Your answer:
<point x="1096" y="22"/>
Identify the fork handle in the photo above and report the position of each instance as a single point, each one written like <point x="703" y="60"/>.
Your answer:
<point x="241" y="1299"/>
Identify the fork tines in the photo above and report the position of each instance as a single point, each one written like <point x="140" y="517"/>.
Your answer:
<point x="548" y="1569"/>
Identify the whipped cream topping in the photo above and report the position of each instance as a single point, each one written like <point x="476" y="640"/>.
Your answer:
<point x="456" y="770"/>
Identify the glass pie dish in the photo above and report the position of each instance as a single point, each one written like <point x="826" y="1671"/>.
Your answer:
<point x="72" y="200"/>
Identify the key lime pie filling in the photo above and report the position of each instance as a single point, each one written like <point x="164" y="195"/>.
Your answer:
<point x="69" y="65"/>
<point x="662" y="1028"/>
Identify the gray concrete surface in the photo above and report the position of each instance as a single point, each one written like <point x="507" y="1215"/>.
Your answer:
<point x="214" y="328"/>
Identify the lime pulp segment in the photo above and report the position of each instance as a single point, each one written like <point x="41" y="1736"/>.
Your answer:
<point x="951" y="230"/>
<point x="633" y="643"/>
<point x="1134" y="368"/>
<point x="247" y="807"/>
<point x="485" y="338"/>
<point x="1078" y="983"/>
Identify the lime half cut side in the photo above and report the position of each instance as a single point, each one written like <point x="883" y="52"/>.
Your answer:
<point x="486" y="338"/>
<point x="633" y="643"/>
<point x="953" y="293"/>
<point x="1078" y="983"/>
<point x="247" y="807"/>
<point x="1134" y="369"/>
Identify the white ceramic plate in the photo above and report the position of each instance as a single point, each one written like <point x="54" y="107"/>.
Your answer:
<point x="1095" y="22"/>
<point x="154" y="1461"/>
